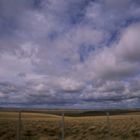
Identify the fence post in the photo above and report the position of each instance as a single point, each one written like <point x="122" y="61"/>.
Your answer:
<point x="62" y="127"/>
<point x="108" y="124"/>
<point x="19" y="126"/>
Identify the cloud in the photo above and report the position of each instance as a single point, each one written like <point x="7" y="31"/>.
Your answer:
<point x="128" y="46"/>
<point x="69" y="53"/>
<point x="69" y="85"/>
<point x="111" y="86"/>
<point x="117" y="4"/>
<point x="120" y="60"/>
<point x="11" y="66"/>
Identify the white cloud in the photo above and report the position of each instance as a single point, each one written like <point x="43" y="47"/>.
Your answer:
<point x="120" y="60"/>
<point x="11" y="66"/>
<point x="2" y="95"/>
<point x="70" y="85"/>
<point x="129" y="44"/>
<point x="41" y="49"/>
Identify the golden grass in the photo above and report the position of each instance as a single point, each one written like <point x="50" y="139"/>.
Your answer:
<point x="41" y="126"/>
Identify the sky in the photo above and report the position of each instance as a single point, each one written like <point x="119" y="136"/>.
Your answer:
<point x="70" y="53"/>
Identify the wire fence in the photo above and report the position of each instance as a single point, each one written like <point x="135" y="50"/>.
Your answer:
<point x="42" y="126"/>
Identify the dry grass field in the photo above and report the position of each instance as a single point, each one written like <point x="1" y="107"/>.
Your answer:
<point x="42" y="126"/>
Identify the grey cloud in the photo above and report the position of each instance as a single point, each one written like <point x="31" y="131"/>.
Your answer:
<point x="58" y="99"/>
<point x="134" y="85"/>
<point x="40" y="52"/>
<point x="111" y="86"/>
<point x="117" y="4"/>
<point x="12" y="93"/>
<point x="110" y="91"/>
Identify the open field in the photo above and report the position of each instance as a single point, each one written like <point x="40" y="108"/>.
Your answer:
<point x="44" y="126"/>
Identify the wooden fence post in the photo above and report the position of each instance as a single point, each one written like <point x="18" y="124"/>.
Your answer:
<point x="19" y="126"/>
<point x="108" y="124"/>
<point x="62" y="127"/>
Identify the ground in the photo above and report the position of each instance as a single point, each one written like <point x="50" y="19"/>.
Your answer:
<point x="43" y="126"/>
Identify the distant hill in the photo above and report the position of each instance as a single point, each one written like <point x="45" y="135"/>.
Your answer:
<point x="75" y="112"/>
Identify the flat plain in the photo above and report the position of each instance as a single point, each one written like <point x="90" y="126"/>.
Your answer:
<point x="86" y="125"/>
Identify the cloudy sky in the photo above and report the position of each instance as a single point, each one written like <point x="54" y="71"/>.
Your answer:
<point x="70" y="53"/>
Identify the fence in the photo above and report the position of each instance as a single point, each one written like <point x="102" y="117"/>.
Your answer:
<point x="41" y="126"/>
<point x="62" y="125"/>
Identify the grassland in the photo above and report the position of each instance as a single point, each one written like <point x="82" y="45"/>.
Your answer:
<point x="44" y="126"/>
